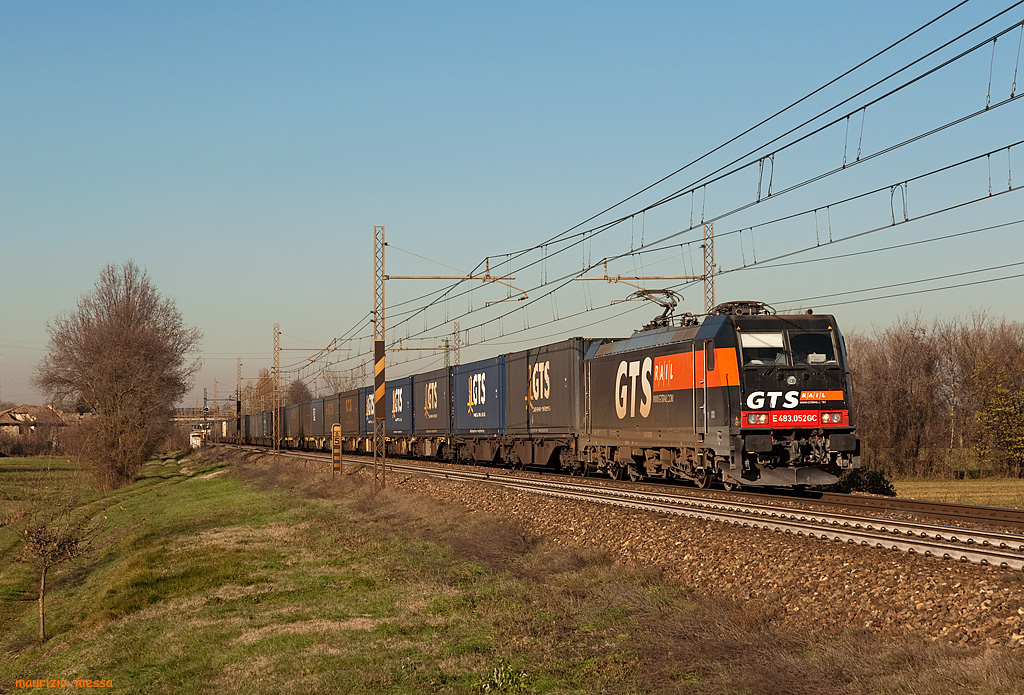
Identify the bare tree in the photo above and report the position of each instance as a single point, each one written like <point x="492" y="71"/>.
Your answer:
<point x="52" y="538"/>
<point x="337" y="381"/>
<point x="298" y="392"/>
<point x="895" y="377"/>
<point x="258" y="396"/>
<point x="933" y="400"/>
<point x="123" y="352"/>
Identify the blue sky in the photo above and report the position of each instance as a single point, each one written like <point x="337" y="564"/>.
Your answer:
<point x="243" y="152"/>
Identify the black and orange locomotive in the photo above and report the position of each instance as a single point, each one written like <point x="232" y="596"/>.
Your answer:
<point x="742" y="397"/>
<point x="745" y="397"/>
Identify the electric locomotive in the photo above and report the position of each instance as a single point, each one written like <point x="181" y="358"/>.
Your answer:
<point x="744" y="397"/>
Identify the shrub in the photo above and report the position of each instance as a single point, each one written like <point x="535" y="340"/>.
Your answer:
<point x="866" y="480"/>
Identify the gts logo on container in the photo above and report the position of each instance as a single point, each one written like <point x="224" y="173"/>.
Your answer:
<point x="477" y="391"/>
<point x="369" y="406"/>
<point x="626" y="387"/>
<point x="397" y="402"/>
<point x="757" y="399"/>
<point x="430" y="397"/>
<point x="540" y="381"/>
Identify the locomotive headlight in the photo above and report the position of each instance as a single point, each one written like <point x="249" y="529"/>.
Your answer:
<point x="757" y="418"/>
<point x="831" y="418"/>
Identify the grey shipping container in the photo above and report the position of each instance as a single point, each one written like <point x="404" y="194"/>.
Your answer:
<point x="292" y="422"/>
<point x="432" y="402"/>
<point x="479" y="397"/>
<point x="316" y="425"/>
<point x="398" y="401"/>
<point x="544" y="389"/>
<point x="305" y="419"/>
<point x="331" y="413"/>
<point x="348" y="413"/>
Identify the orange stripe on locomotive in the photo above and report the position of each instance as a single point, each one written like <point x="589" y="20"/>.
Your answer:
<point x="681" y="370"/>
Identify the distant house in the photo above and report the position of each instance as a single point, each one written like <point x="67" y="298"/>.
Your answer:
<point x="26" y="419"/>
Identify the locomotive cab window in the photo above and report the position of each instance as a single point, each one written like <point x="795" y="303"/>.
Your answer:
<point x="812" y="347"/>
<point x="761" y="349"/>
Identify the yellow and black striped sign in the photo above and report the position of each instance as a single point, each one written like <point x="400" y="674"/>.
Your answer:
<point x="378" y="380"/>
<point x="336" y="446"/>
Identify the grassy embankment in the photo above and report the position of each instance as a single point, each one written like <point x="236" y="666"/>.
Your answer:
<point x="262" y="578"/>
<point x="991" y="492"/>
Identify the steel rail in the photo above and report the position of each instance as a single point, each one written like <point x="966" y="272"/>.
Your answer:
<point x="941" y="510"/>
<point x="951" y="511"/>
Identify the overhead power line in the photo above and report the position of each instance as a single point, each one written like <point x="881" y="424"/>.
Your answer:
<point x="566" y="242"/>
<point x="746" y="132"/>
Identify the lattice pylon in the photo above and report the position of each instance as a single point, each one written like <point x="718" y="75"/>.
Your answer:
<point x="379" y="354"/>
<point x="709" y="266"/>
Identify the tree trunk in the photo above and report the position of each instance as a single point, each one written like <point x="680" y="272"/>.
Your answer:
<point x="42" y="594"/>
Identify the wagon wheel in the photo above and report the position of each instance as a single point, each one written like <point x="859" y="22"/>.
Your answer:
<point x="615" y="471"/>
<point x="703" y="479"/>
<point x="730" y="485"/>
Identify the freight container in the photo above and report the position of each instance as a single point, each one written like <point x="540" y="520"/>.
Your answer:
<point x="348" y="413"/>
<point x="316" y="424"/>
<point x="331" y="413"/>
<point x="305" y="419"/>
<point x="432" y="402"/>
<point x="479" y="398"/>
<point x="544" y="389"/>
<point x="292" y="424"/>
<point x="366" y="411"/>
<point x="399" y="402"/>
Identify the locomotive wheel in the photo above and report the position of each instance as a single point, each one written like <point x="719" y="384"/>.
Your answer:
<point x="615" y="471"/>
<point x="730" y="485"/>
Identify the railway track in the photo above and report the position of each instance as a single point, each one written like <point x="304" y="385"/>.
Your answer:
<point x="993" y="548"/>
<point x="1011" y="519"/>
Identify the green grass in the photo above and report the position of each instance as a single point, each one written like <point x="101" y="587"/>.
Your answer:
<point x="262" y="578"/>
<point x="992" y="492"/>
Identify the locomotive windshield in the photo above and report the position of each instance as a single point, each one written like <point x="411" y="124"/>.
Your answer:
<point x="812" y="347"/>
<point x="762" y="348"/>
<point x="805" y="348"/>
